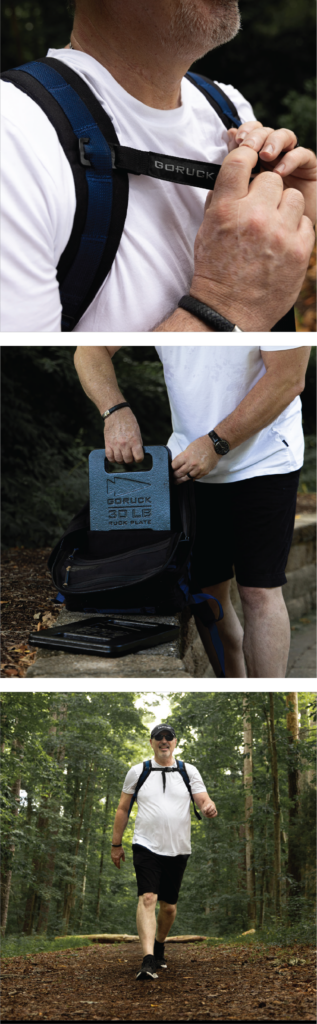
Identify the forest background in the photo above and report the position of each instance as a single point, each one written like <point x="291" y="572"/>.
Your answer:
<point x="64" y="759"/>
<point x="49" y="426"/>
<point x="271" y="61"/>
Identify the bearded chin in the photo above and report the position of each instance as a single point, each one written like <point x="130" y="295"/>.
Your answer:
<point x="198" y="26"/>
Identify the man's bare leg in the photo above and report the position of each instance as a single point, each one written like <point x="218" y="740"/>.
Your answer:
<point x="230" y="632"/>
<point x="266" y="632"/>
<point x="146" y="921"/>
<point x="165" y="919"/>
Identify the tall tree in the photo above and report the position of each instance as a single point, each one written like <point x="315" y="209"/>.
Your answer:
<point x="276" y="806"/>
<point x="294" y="860"/>
<point x="248" y="787"/>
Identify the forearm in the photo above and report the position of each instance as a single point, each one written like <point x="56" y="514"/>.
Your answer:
<point x="119" y="825"/>
<point x="180" y="321"/>
<point x="97" y="376"/>
<point x="258" y="409"/>
<point x="201" y="799"/>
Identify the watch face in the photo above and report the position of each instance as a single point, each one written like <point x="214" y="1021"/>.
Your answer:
<point x="222" y="446"/>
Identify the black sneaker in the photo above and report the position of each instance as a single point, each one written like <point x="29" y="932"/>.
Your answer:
<point x="147" y="971"/>
<point x="159" y="954"/>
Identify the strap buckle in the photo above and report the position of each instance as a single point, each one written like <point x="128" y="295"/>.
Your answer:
<point x="82" y="152"/>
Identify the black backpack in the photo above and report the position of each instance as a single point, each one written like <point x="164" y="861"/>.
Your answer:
<point x="143" y="572"/>
<point x="146" y="771"/>
<point x="100" y="168"/>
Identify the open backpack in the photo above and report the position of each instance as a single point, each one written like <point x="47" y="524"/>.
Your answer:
<point x="101" y="168"/>
<point x="136" y="572"/>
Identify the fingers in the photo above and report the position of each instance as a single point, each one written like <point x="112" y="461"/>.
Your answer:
<point x="269" y="144"/>
<point x="244" y="128"/>
<point x="301" y="160"/>
<point x="233" y="179"/>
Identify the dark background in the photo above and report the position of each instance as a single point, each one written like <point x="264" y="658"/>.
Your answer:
<point x="50" y="426"/>
<point x="271" y="61"/>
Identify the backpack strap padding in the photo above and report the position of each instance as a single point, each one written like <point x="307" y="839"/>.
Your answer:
<point x="218" y="99"/>
<point x="94" y="241"/>
<point x="147" y="768"/>
<point x="182" y="768"/>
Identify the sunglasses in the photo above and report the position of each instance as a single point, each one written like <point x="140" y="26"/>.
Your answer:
<point x="164" y="736"/>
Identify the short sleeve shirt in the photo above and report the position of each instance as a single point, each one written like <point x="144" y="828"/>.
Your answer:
<point x="163" y="819"/>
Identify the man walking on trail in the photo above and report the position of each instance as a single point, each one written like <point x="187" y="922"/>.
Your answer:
<point x="161" y="841"/>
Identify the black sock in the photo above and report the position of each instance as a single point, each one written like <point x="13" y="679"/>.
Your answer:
<point x="158" y="948"/>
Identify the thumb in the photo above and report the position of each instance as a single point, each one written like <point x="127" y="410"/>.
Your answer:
<point x="209" y="200"/>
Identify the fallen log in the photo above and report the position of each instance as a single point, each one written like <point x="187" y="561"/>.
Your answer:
<point x="135" y="938"/>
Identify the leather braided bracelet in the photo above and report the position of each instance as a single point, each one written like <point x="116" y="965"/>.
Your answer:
<point x="122" y="405"/>
<point x="206" y="314"/>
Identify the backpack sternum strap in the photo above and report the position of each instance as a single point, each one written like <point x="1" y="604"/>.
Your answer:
<point x="177" y="169"/>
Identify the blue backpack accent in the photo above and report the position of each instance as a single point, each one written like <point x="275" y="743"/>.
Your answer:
<point x="146" y="771"/>
<point x="100" y="169"/>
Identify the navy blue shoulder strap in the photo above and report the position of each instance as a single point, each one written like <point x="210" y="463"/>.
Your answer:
<point x="100" y="169"/>
<point x="147" y="768"/>
<point x="182" y="770"/>
<point x="87" y="135"/>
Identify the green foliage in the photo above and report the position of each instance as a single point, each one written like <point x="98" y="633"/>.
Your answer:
<point x="72" y="751"/>
<point x="49" y="428"/>
<point x="29" y="945"/>
<point x="301" y="114"/>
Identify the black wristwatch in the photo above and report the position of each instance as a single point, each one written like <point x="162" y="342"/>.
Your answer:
<point x="221" y="446"/>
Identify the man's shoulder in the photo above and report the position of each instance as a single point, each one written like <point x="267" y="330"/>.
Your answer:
<point x="190" y="768"/>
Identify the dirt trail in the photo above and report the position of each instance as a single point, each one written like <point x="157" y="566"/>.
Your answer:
<point x="201" y="983"/>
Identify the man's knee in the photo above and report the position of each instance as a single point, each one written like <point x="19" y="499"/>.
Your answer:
<point x="260" y="599"/>
<point x="148" y="900"/>
<point x="168" y="908"/>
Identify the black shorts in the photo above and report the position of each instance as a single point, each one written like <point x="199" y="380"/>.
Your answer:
<point x="247" y="525"/>
<point x="158" y="874"/>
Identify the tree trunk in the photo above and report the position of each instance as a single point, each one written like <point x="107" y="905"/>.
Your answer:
<point x="44" y="823"/>
<point x="70" y="892"/>
<point x="105" y="821"/>
<point x="249" y="835"/>
<point x="276" y="808"/>
<point x="8" y="852"/>
<point x="294" y="866"/>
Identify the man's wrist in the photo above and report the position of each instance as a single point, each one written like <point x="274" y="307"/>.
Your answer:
<point x="181" y="321"/>
<point x="210" y="293"/>
<point x="116" y="844"/>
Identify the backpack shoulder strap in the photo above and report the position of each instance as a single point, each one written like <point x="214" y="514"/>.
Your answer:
<point x="87" y="135"/>
<point x="218" y="99"/>
<point x="146" y="770"/>
<point x="183" y="772"/>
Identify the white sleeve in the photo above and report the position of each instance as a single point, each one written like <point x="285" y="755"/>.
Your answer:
<point x="37" y="210"/>
<point x="132" y="778"/>
<point x="196" y="782"/>
<point x="280" y="348"/>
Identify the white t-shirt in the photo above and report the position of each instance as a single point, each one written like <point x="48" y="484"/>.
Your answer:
<point x="163" y="819"/>
<point x="205" y="384"/>
<point x="154" y="264"/>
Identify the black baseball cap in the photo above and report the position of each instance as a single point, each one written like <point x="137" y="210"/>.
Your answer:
<point x="160" y="728"/>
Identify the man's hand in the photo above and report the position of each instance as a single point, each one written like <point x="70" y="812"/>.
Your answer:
<point x="117" y="854"/>
<point x="198" y="459"/>
<point x="123" y="441"/>
<point x="209" y="809"/>
<point x="297" y="167"/>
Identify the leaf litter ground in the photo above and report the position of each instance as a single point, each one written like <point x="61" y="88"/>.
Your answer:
<point x="202" y="982"/>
